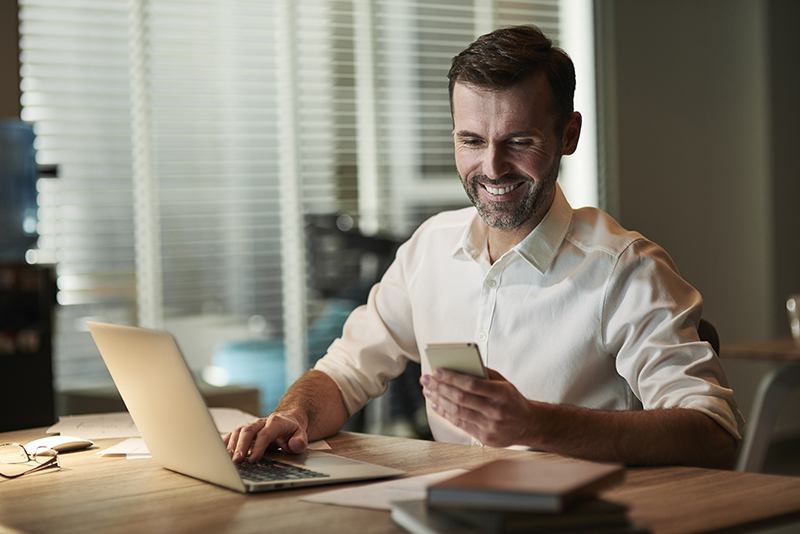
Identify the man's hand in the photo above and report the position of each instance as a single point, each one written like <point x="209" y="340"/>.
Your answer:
<point x="491" y="410"/>
<point x="277" y="430"/>
<point x="311" y="409"/>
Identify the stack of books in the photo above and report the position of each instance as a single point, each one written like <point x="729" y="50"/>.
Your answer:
<point x="516" y="496"/>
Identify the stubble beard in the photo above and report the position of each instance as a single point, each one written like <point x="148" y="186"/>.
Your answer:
<point x="510" y="215"/>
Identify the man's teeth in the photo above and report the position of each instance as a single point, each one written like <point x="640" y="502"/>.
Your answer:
<point x="500" y="191"/>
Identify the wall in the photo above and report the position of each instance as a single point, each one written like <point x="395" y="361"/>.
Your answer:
<point x="699" y="120"/>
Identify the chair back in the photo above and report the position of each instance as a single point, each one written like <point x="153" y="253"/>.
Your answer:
<point x="708" y="333"/>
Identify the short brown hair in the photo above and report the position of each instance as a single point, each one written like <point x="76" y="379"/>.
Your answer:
<point x="507" y="56"/>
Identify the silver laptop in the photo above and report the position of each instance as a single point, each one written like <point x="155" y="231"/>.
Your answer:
<point x="170" y="414"/>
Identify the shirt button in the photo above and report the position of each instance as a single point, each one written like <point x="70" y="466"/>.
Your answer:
<point x="491" y="282"/>
<point x="482" y="336"/>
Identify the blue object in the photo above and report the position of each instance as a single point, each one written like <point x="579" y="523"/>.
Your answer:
<point x="258" y="363"/>
<point x="261" y="363"/>
<point x="18" y="204"/>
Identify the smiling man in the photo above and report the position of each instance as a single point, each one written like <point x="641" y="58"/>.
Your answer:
<point x="588" y="331"/>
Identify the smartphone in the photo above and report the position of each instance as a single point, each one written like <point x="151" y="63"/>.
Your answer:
<point x="462" y="357"/>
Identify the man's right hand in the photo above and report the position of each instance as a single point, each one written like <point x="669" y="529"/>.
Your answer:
<point x="277" y="430"/>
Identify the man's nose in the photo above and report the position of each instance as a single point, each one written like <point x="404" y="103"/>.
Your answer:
<point x="495" y="162"/>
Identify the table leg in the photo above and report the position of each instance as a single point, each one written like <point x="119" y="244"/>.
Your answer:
<point x="771" y="394"/>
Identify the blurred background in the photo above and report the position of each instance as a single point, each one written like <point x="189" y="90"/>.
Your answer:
<point x="239" y="173"/>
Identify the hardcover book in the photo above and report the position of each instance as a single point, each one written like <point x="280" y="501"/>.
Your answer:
<point x="590" y="516"/>
<point x="536" y="485"/>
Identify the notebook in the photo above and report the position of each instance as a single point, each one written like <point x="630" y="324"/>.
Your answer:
<point x="158" y="389"/>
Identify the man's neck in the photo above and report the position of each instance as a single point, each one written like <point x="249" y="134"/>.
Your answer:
<point x="500" y="241"/>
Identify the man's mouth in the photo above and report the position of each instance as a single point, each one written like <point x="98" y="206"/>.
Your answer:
<point x="501" y="190"/>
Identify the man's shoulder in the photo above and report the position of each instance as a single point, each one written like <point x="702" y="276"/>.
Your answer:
<point x="440" y="233"/>
<point x="594" y="230"/>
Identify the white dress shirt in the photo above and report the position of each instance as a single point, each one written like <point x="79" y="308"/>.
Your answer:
<point x="581" y="312"/>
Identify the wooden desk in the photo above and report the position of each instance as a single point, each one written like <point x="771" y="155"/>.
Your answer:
<point x="770" y="396"/>
<point x="115" y="495"/>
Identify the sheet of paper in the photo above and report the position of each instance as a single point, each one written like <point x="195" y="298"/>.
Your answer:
<point x="120" y="424"/>
<point x="227" y="419"/>
<point x="381" y="495"/>
<point x="96" y="426"/>
<point x="131" y="448"/>
<point x="320" y="445"/>
<point x="134" y="448"/>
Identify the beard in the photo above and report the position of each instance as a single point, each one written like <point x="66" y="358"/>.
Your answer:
<point x="511" y="214"/>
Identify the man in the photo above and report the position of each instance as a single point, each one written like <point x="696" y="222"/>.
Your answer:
<point x="591" y="324"/>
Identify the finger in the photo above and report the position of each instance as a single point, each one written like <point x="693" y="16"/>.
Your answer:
<point x="462" y="417"/>
<point x="279" y="430"/>
<point x="244" y="441"/>
<point x="464" y="382"/>
<point x="265" y="437"/>
<point x="230" y="440"/>
<point x="462" y="395"/>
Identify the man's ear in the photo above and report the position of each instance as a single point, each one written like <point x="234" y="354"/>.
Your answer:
<point x="572" y="133"/>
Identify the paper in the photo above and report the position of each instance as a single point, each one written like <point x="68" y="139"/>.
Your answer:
<point x="228" y="419"/>
<point x="96" y="426"/>
<point x="381" y="495"/>
<point x="131" y="448"/>
<point x="135" y="448"/>
<point x="120" y="424"/>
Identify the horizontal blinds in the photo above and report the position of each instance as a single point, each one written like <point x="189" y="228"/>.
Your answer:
<point x="371" y="137"/>
<point x="76" y="92"/>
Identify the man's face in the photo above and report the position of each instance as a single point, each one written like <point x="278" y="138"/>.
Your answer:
<point x="507" y="152"/>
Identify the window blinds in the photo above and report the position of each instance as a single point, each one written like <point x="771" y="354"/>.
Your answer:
<point x="195" y="137"/>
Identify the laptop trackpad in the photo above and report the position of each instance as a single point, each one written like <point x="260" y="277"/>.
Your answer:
<point x="322" y="460"/>
<point x="312" y="459"/>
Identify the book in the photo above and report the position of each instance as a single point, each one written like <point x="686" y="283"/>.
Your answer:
<point x="586" y="514"/>
<point x="535" y="485"/>
<point x="417" y="517"/>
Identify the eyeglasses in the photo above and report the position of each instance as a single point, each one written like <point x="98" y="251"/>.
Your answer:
<point x="15" y="461"/>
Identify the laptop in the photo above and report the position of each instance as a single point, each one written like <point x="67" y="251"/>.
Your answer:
<point x="158" y="389"/>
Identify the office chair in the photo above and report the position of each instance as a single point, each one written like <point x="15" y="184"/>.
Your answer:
<point x="708" y="333"/>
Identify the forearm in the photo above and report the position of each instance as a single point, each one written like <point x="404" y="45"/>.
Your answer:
<point x="314" y="400"/>
<point x="648" y="437"/>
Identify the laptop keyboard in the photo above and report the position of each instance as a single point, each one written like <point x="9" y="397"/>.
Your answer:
<point x="267" y="470"/>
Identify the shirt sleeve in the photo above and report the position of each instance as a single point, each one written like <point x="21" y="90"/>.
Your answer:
<point x="650" y="318"/>
<point x="376" y="344"/>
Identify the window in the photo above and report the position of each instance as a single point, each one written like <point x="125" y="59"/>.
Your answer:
<point x="196" y="139"/>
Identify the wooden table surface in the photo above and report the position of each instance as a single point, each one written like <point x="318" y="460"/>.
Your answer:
<point x="115" y="495"/>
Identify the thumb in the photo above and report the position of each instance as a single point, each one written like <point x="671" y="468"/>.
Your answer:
<point x="494" y="375"/>
<point x="298" y="442"/>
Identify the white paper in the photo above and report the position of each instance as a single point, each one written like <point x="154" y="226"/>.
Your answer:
<point x="228" y="419"/>
<point x="96" y="426"/>
<point x="135" y="448"/>
<point x="131" y="448"/>
<point x="120" y="424"/>
<point x="381" y="495"/>
<point x="320" y="445"/>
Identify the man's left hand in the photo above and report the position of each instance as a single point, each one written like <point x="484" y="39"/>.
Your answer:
<point x="491" y="410"/>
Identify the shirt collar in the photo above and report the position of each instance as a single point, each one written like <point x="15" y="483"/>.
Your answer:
<point x="542" y="244"/>
<point x="538" y="248"/>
